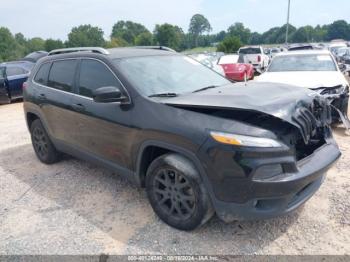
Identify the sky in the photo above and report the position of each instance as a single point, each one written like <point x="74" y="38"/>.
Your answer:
<point x="55" y="18"/>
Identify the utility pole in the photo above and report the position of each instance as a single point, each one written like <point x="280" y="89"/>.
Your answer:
<point x="287" y="31"/>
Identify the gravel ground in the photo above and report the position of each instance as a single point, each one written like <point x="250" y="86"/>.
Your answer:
<point x="74" y="207"/>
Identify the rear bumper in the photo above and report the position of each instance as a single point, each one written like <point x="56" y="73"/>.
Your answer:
<point x="277" y="195"/>
<point x="237" y="76"/>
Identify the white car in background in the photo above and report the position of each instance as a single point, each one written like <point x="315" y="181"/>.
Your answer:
<point x="256" y="56"/>
<point x="316" y="70"/>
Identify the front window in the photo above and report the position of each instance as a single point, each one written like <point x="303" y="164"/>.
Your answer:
<point x="168" y="74"/>
<point x="93" y="75"/>
<point x="312" y="62"/>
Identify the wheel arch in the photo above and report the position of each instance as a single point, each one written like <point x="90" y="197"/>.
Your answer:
<point x="144" y="159"/>
<point x="30" y="118"/>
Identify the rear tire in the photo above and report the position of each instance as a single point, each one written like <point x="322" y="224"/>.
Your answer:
<point x="176" y="193"/>
<point x="43" y="147"/>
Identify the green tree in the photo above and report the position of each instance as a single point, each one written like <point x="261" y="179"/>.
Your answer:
<point x="169" y="35"/>
<point x="19" y="37"/>
<point x="231" y="44"/>
<point x="116" y="42"/>
<point x="319" y="33"/>
<point x="9" y="48"/>
<point x="51" y="44"/>
<point x="255" y="39"/>
<point x="300" y="36"/>
<point x="35" y="44"/>
<point x="338" y="30"/>
<point x="198" y="25"/>
<point x="85" y="35"/>
<point x="277" y="35"/>
<point x="240" y="31"/>
<point x="304" y="34"/>
<point x="128" y="31"/>
<point x="220" y="36"/>
<point x="144" y="39"/>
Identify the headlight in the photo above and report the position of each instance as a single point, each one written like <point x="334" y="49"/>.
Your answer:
<point x="241" y="140"/>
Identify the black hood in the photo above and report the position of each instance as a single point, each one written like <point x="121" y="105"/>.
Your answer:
<point x="281" y="101"/>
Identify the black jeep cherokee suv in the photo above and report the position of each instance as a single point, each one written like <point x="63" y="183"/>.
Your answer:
<point x="198" y="143"/>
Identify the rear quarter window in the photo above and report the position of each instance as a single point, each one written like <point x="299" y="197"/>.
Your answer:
<point x="42" y="74"/>
<point x="62" y="75"/>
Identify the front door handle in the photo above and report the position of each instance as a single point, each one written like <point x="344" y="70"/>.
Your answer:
<point x="78" y="107"/>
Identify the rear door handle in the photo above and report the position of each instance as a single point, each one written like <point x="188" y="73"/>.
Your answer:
<point x="78" y="107"/>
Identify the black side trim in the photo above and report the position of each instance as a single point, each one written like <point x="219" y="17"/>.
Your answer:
<point x="89" y="157"/>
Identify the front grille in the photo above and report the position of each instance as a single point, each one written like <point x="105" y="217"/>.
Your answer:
<point x="307" y="123"/>
<point x="310" y="119"/>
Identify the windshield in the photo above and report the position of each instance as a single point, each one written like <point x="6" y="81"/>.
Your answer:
<point x="228" y="59"/>
<point x="342" y="51"/>
<point x="168" y="74"/>
<point x="250" y="50"/>
<point x="302" y="63"/>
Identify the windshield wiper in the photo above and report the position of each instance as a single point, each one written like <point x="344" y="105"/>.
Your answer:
<point x="164" y="95"/>
<point x="204" y="88"/>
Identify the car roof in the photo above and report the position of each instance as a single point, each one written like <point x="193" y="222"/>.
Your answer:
<point x="112" y="53"/>
<point x="305" y="52"/>
<point x="126" y="52"/>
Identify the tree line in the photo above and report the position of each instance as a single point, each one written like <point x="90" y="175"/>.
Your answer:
<point x="129" y="33"/>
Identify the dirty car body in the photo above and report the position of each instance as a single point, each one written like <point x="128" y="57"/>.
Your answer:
<point x="285" y="143"/>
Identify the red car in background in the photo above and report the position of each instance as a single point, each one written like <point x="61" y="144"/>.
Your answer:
<point x="236" y="68"/>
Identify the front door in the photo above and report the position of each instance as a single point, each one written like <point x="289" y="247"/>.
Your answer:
<point x="104" y="128"/>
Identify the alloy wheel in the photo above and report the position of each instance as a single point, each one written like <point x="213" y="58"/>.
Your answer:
<point x="174" y="194"/>
<point x="40" y="142"/>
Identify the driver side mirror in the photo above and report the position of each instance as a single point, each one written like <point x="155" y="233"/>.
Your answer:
<point x="108" y="94"/>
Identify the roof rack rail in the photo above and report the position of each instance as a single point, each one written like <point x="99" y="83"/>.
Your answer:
<point x="158" y="47"/>
<point x="98" y="50"/>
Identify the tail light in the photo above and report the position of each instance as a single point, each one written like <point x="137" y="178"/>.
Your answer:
<point x="259" y="58"/>
<point x="24" y="85"/>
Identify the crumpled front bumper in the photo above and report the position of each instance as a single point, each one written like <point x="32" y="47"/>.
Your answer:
<point x="280" y="194"/>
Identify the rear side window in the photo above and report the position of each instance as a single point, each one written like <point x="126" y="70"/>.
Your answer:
<point x="93" y="75"/>
<point x="12" y="71"/>
<point x="42" y="74"/>
<point x="62" y="75"/>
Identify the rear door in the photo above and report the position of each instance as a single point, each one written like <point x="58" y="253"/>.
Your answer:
<point x="104" y="128"/>
<point x="4" y="97"/>
<point x="16" y="76"/>
<point x="55" y="84"/>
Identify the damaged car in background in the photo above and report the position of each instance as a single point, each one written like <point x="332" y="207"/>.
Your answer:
<point x="316" y="70"/>
<point x="198" y="143"/>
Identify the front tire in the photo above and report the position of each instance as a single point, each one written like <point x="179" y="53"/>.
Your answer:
<point x="176" y="193"/>
<point x="43" y="147"/>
